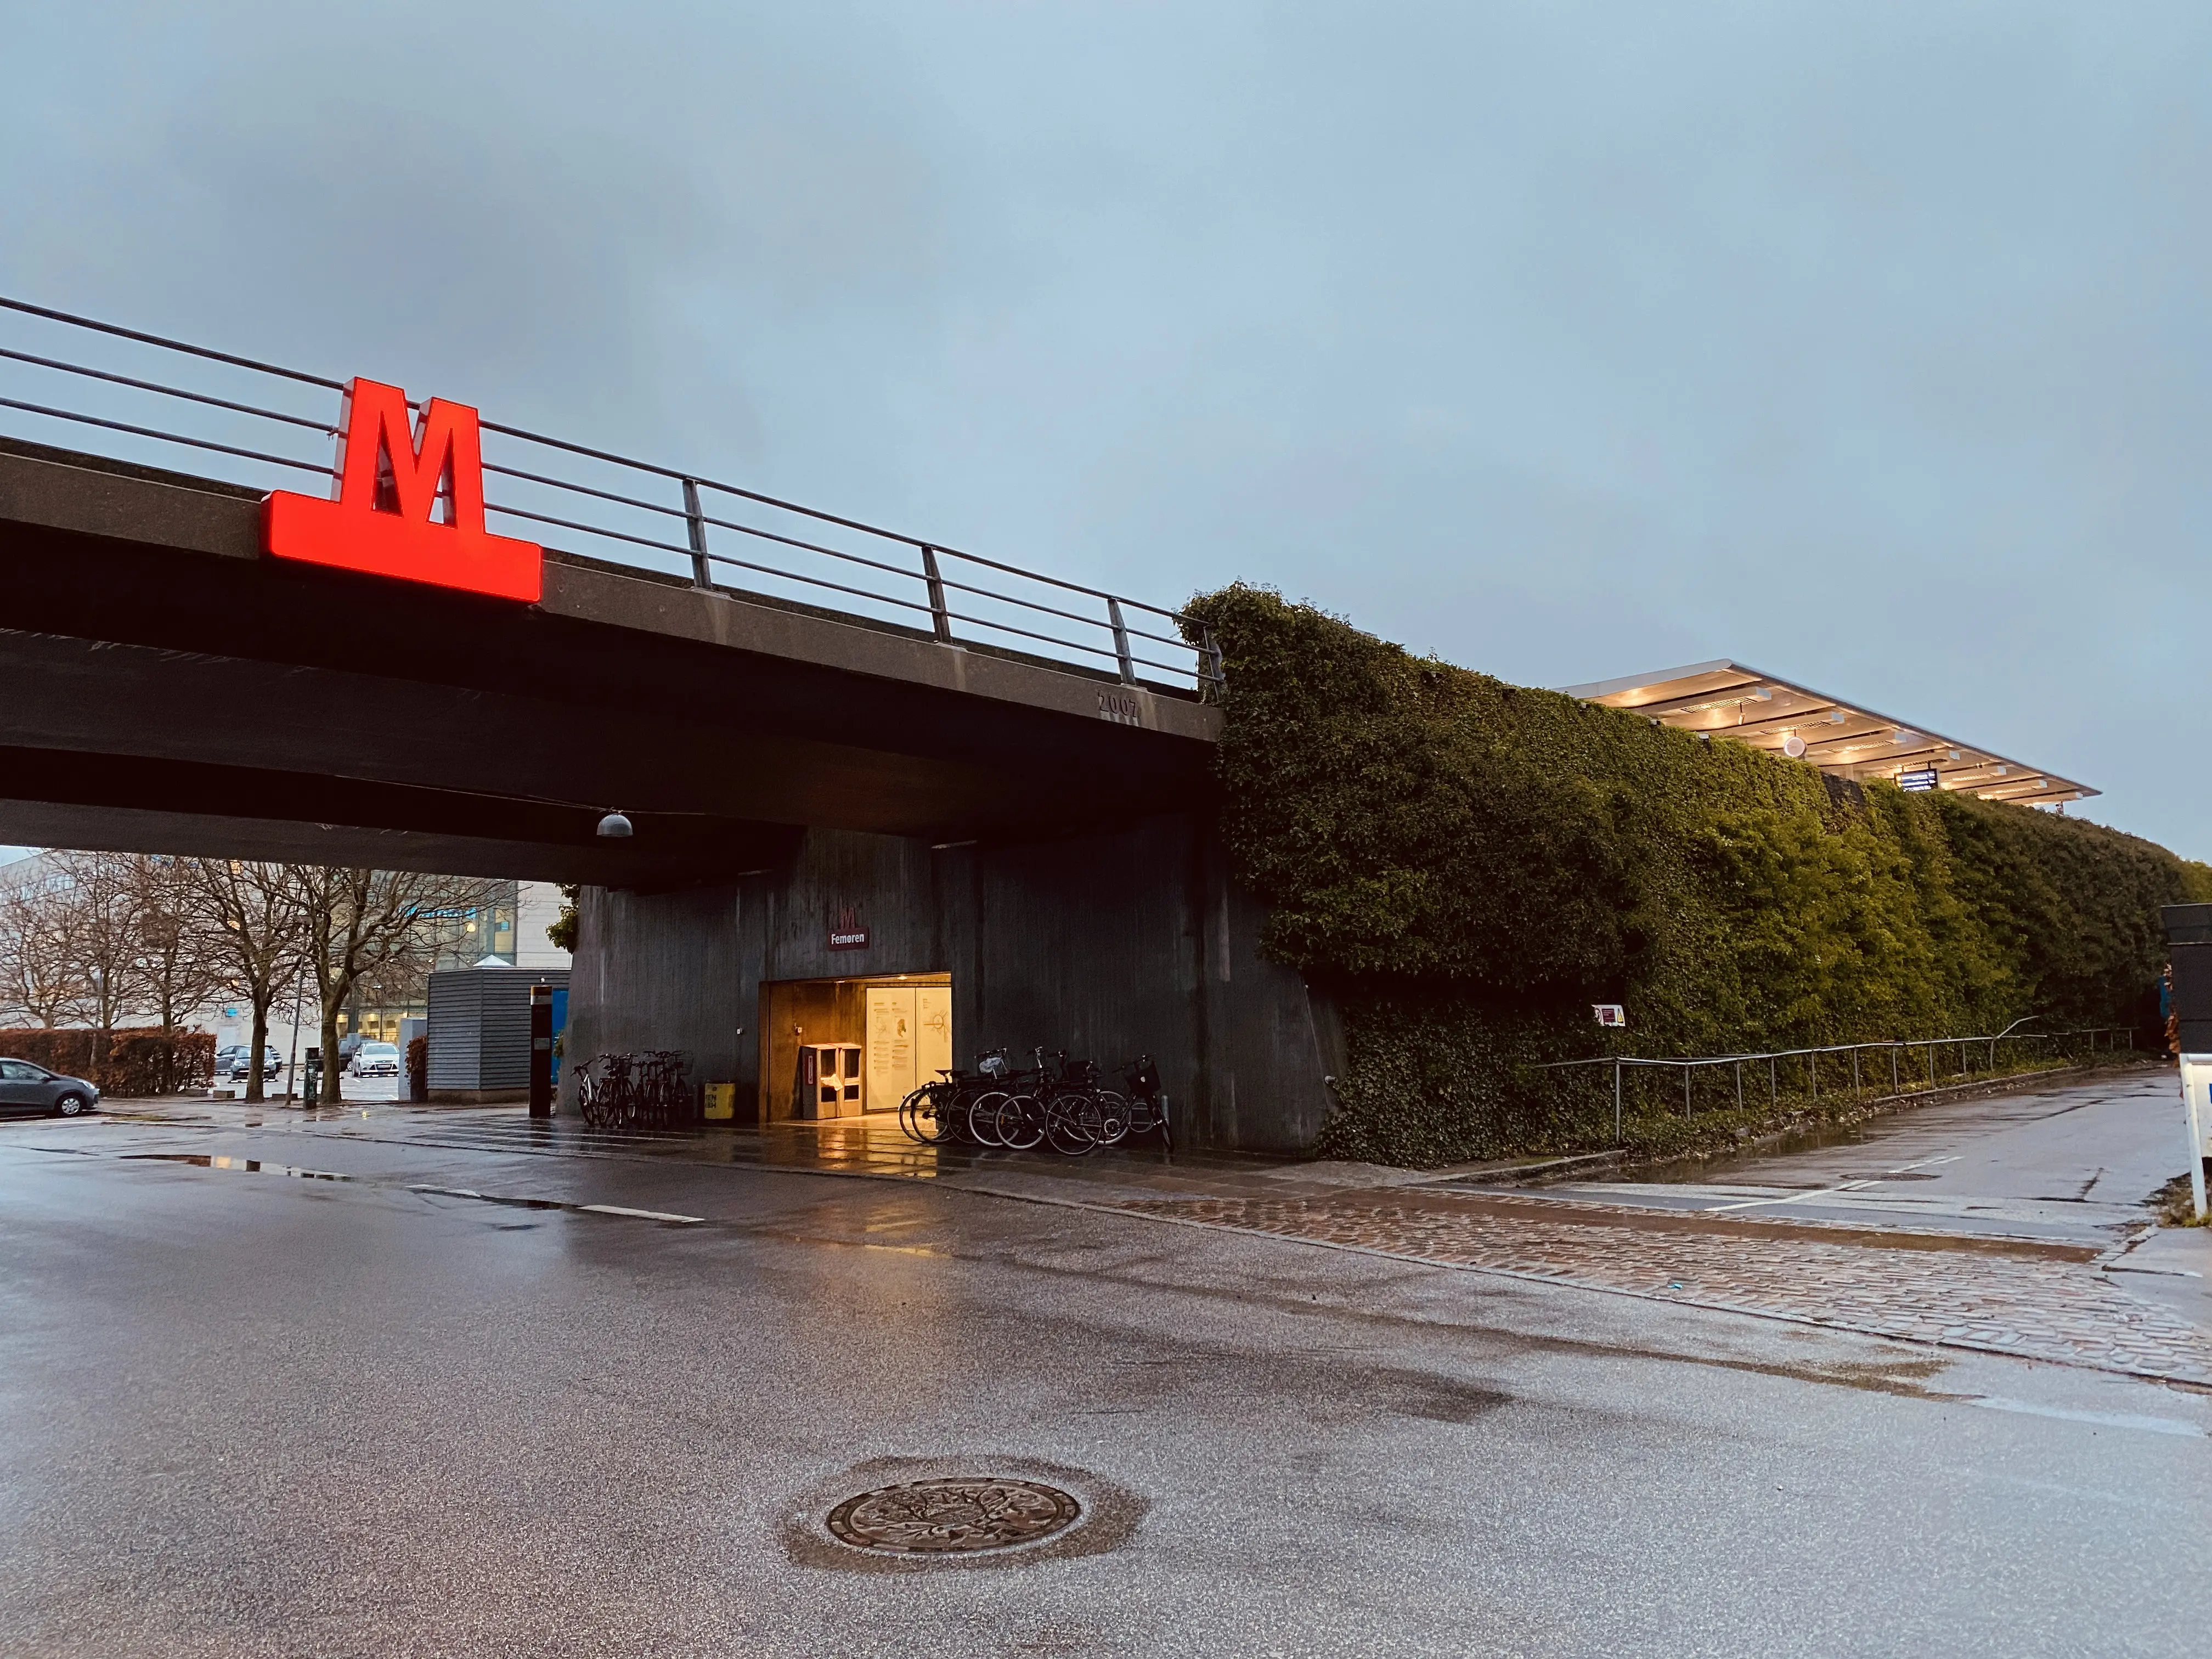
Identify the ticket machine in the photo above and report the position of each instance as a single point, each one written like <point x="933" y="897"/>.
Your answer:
<point x="829" y="1081"/>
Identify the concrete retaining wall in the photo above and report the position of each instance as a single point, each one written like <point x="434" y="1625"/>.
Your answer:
<point x="1104" y="945"/>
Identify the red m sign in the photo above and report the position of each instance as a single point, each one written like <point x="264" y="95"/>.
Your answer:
<point x="390" y="479"/>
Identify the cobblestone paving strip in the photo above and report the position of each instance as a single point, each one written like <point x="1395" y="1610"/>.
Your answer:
<point x="2034" y="1308"/>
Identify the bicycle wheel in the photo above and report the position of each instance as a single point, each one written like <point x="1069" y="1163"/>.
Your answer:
<point x="1072" y="1124"/>
<point x="982" y="1116"/>
<point x="1112" y="1118"/>
<point x="1021" y="1122"/>
<point x="937" y="1116"/>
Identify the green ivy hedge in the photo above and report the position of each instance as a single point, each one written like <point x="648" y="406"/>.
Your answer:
<point x="1466" y="865"/>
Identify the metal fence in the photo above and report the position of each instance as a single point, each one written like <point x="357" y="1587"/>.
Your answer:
<point x="68" y="377"/>
<point x="1904" y="1057"/>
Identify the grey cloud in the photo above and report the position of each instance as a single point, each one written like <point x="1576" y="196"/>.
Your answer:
<point x="1865" y="342"/>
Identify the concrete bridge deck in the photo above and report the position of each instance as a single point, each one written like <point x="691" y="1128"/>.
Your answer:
<point x="164" y="687"/>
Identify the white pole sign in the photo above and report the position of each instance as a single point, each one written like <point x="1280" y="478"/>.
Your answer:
<point x="2197" y="1108"/>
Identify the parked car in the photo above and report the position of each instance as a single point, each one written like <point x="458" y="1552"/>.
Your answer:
<point x="27" y="1088"/>
<point x="375" y="1060"/>
<point x="272" y="1062"/>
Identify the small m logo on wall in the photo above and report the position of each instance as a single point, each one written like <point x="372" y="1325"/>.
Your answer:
<point x="409" y="502"/>
<point x="846" y="932"/>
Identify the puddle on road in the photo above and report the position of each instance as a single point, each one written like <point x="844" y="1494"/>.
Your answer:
<point x="255" y="1166"/>
<point x="250" y="1165"/>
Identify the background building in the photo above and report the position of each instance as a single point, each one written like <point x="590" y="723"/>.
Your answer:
<point x="510" y="930"/>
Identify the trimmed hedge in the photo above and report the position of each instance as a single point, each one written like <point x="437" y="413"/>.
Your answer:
<point x="1466" y="865"/>
<point x="126" y="1063"/>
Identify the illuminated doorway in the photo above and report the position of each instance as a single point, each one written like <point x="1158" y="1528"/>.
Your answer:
<point x="901" y="1023"/>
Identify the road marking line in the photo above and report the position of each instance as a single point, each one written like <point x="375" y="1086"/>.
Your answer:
<point x="558" y="1204"/>
<point x="2105" y="1419"/>
<point x="1793" y="1198"/>
<point x="642" y="1215"/>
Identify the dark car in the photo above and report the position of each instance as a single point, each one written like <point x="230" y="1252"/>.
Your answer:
<point x="242" y="1062"/>
<point x="27" y="1088"/>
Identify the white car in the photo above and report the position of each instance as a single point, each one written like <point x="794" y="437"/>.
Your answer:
<point x="375" y="1060"/>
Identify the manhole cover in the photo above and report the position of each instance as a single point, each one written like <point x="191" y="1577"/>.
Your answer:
<point x="951" y="1517"/>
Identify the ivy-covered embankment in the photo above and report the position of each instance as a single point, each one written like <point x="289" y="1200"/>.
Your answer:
<point x="1464" y="866"/>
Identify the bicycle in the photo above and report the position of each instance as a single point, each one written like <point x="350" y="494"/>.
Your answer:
<point x="1057" y="1100"/>
<point x="1063" y="1109"/>
<point x="1146" y="1104"/>
<point x="634" y="1091"/>
<point x="941" y="1110"/>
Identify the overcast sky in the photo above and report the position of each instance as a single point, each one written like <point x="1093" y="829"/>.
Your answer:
<point x="1866" y="343"/>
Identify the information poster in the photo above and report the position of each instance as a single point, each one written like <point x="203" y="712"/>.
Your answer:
<point x="909" y="1040"/>
<point x="890" y="1045"/>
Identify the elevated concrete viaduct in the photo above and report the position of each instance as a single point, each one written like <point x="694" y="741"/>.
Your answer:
<point x="1042" y="835"/>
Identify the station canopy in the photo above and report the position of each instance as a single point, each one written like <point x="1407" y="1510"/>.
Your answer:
<point x="1728" y="699"/>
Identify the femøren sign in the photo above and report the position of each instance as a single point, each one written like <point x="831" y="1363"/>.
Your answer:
<point x="390" y="478"/>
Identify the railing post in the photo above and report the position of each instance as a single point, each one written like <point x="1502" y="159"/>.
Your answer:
<point x="1120" y="640"/>
<point x="940" y="617"/>
<point x="695" y="521"/>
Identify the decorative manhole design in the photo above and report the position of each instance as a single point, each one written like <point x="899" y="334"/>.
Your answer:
<point x="952" y="1517"/>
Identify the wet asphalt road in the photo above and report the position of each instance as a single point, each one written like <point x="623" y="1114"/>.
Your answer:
<point x="257" y="1413"/>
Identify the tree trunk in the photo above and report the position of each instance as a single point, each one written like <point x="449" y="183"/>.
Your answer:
<point x="260" y="1047"/>
<point x="330" y="1095"/>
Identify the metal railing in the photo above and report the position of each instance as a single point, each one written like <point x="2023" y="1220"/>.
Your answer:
<point x="610" y="506"/>
<point x="1904" y="1055"/>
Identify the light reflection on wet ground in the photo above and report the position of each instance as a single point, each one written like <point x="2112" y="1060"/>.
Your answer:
<point x="2066" y="1163"/>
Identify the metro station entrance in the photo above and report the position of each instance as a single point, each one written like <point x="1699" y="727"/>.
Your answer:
<point x="835" y="1048"/>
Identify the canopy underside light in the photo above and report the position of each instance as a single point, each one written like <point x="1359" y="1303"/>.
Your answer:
<point x="1728" y="699"/>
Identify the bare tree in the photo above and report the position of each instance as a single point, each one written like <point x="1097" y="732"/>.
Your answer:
<point x="181" y="965"/>
<point x="100" y="892"/>
<point x="370" y="926"/>
<point x="258" y="928"/>
<point x="41" y="976"/>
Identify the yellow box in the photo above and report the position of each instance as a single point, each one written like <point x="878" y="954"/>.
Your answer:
<point x="721" y="1100"/>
